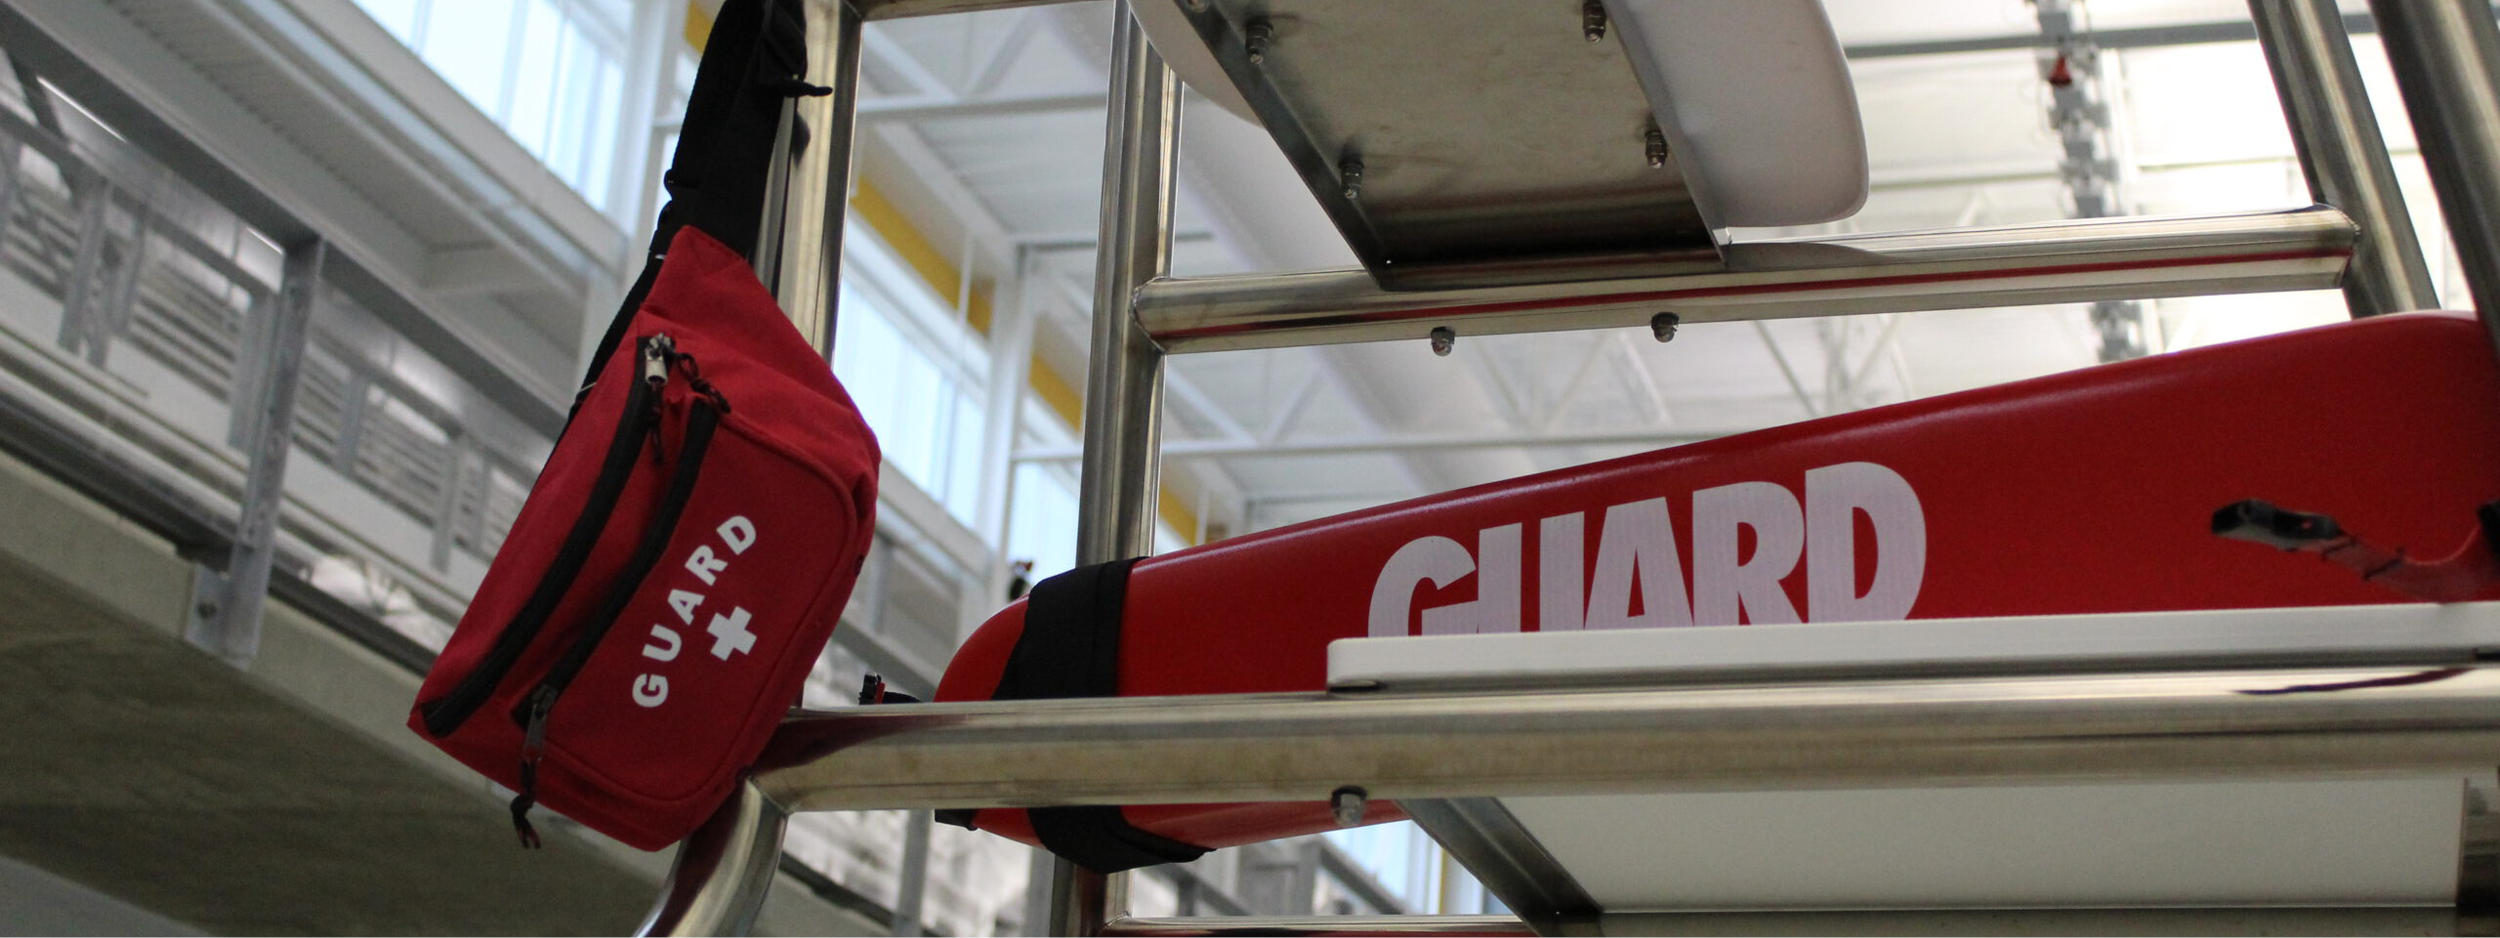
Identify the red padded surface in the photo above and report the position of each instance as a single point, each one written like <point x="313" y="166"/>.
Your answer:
<point x="2088" y="491"/>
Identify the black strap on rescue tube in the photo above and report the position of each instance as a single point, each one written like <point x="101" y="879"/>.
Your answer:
<point x="1071" y="648"/>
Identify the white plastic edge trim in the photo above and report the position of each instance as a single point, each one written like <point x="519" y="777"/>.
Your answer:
<point x="1666" y="653"/>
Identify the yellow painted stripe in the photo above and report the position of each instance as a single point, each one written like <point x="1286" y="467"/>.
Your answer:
<point x="698" y="25"/>
<point x="1056" y="393"/>
<point x="922" y="257"/>
<point x="1184" y="522"/>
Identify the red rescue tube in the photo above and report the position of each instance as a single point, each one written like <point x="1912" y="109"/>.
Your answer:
<point x="2082" y="492"/>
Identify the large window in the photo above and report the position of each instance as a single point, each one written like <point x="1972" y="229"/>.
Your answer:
<point x="916" y="371"/>
<point x="551" y="72"/>
<point x="1042" y="527"/>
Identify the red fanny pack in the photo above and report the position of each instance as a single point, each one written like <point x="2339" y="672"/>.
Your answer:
<point x="690" y="544"/>
<point x="669" y="584"/>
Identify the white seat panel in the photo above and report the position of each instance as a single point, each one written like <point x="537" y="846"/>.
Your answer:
<point x="2196" y="844"/>
<point x="1760" y="106"/>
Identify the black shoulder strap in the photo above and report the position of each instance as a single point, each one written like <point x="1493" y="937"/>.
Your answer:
<point x="1071" y="648"/>
<point x="752" y="63"/>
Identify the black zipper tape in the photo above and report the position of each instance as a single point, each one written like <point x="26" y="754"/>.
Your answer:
<point x="446" y="714"/>
<point x="701" y="421"/>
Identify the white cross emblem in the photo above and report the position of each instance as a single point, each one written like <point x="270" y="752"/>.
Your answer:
<point x="730" y="635"/>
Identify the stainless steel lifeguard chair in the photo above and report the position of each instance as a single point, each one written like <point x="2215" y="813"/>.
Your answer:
<point x="1613" y="217"/>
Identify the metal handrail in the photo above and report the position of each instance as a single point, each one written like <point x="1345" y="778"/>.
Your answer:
<point x="1881" y="727"/>
<point x="2054" y="262"/>
<point x="1532" y="742"/>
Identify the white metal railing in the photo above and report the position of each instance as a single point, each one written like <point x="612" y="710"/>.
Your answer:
<point x="117" y="276"/>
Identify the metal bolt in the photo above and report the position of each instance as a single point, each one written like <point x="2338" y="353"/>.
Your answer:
<point x="207" y="609"/>
<point x="1663" y="326"/>
<point x="1348" y="803"/>
<point x="1350" y="173"/>
<point x="1254" y="40"/>
<point x="1657" y="141"/>
<point x="1443" y="340"/>
<point x="1593" y="20"/>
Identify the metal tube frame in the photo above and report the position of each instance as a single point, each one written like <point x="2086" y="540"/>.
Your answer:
<point x="2074" y="261"/>
<point x="2336" y="135"/>
<point x="724" y="869"/>
<point x="1900" y="724"/>
<point x="1118" y="479"/>
<point x="810" y="204"/>
<point x="2446" y="56"/>
<point x="1160" y="751"/>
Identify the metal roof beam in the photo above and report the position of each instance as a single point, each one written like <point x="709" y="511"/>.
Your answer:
<point x="1401" y="443"/>
<point x="2141" y="37"/>
<point x="927" y="108"/>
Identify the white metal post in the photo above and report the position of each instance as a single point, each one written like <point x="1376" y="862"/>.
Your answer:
<point x="225" y="618"/>
<point x="1012" y="318"/>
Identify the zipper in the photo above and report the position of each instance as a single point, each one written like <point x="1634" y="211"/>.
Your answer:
<point x="702" y="419"/>
<point x="641" y="418"/>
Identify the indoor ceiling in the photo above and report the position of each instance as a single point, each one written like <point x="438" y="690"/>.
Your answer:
<point x="991" y="125"/>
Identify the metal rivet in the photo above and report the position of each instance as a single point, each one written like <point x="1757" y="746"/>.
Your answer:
<point x="1593" y="20"/>
<point x="207" y="610"/>
<point x="1657" y="142"/>
<point x="1663" y="326"/>
<point x="1443" y="340"/>
<point x="1350" y="173"/>
<point x="1254" y="40"/>
<point x="1348" y="804"/>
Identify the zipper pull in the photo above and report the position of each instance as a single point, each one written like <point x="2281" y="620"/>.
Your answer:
<point x="533" y="747"/>
<point x="658" y="351"/>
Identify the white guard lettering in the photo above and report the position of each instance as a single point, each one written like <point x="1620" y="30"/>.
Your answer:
<point x="1560" y="600"/>
<point x="654" y="652"/>
<point x="1636" y="551"/>
<point x="704" y="566"/>
<point x="1638" y="539"/>
<point x="1444" y="561"/>
<point x="1834" y="496"/>
<point x="1496" y="606"/>
<point x="651" y="690"/>
<point x="1723" y="587"/>
<point x="738" y="533"/>
<point x="685" y="603"/>
<point x="1438" y="559"/>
